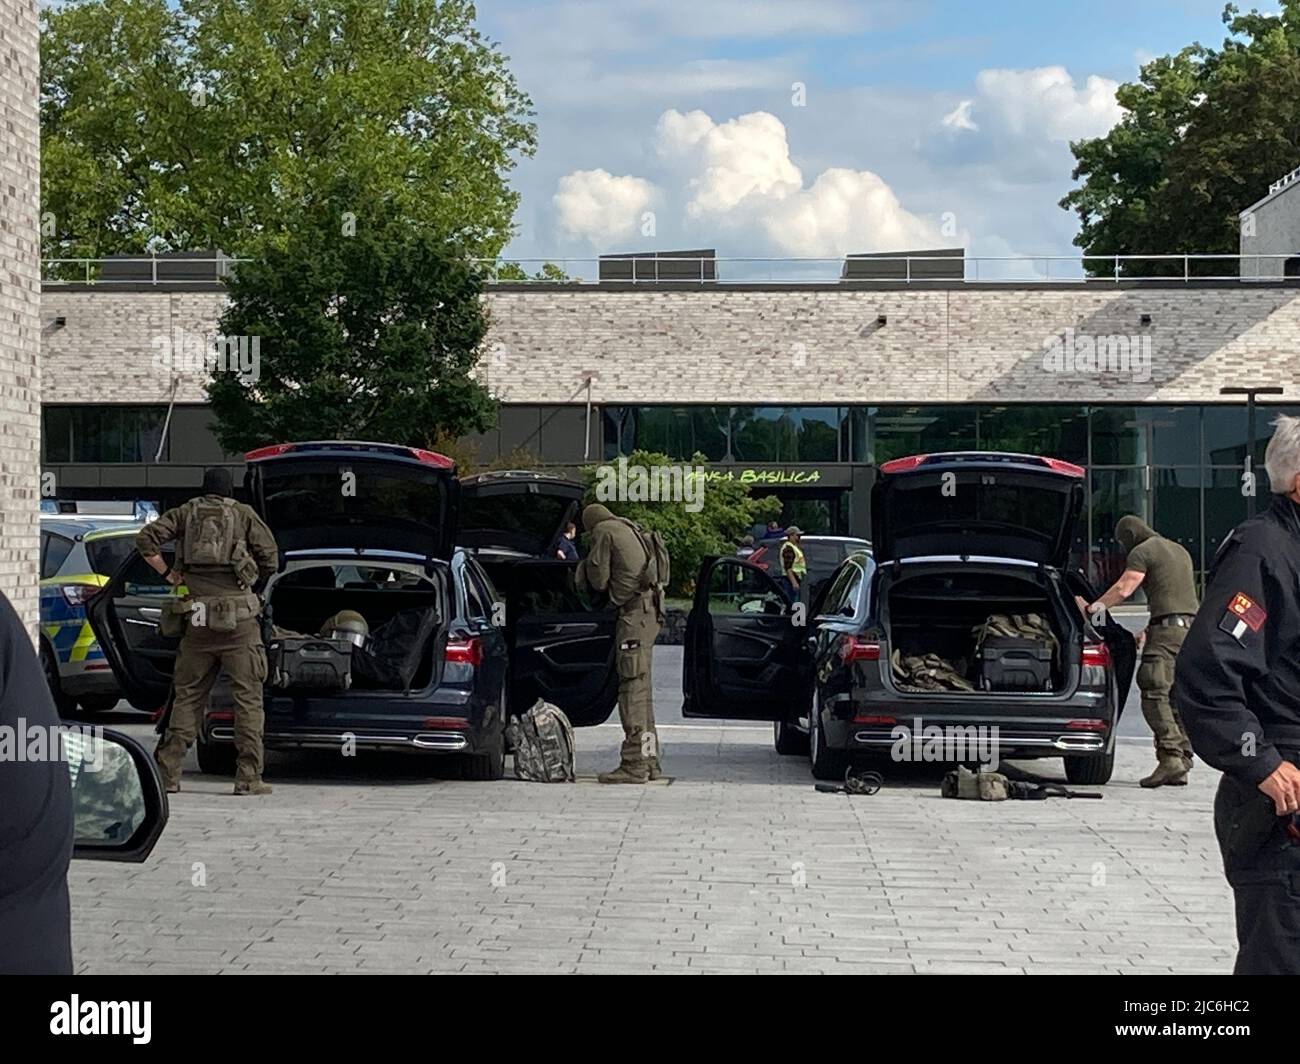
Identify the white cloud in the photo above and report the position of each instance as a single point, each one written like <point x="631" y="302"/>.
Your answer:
<point x="1045" y="102"/>
<point x="738" y="175"/>
<point x="598" y="206"/>
<point x="959" y="117"/>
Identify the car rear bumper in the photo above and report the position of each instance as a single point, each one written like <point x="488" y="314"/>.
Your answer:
<point x="1079" y="726"/>
<point x="440" y="741"/>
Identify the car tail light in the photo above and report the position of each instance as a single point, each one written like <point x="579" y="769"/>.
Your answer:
<point x="854" y="649"/>
<point x="1069" y="469"/>
<point x="902" y="465"/>
<point x="464" y="651"/>
<point x="1095" y="654"/>
<point x="1086" y="725"/>
<point x="225" y="716"/>
<point x="267" y="452"/>
<point x="446" y="723"/>
<point x="76" y="594"/>
<point x="876" y="719"/>
<point x="432" y="458"/>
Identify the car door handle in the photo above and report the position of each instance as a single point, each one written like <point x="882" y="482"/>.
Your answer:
<point x="577" y="628"/>
<point x="151" y="611"/>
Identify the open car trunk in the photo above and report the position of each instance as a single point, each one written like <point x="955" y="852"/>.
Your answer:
<point x="935" y="622"/>
<point x="404" y="617"/>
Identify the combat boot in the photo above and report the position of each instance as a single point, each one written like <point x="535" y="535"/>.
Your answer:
<point x="656" y="771"/>
<point x="1170" y="771"/>
<point x="252" y="787"/>
<point x="626" y="773"/>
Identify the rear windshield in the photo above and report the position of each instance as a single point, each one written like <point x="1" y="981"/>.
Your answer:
<point x="307" y="498"/>
<point x="107" y="555"/>
<point x="527" y="522"/>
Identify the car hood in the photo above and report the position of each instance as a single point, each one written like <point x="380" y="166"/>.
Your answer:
<point x="976" y="503"/>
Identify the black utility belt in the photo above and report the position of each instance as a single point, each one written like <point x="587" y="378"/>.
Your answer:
<point x="1174" y="620"/>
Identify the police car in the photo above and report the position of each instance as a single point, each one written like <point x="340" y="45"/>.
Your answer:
<point x="78" y="555"/>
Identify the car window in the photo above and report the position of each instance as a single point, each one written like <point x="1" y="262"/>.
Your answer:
<point x="737" y="588"/>
<point x="54" y="554"/>
<point x="107" y="555"/>
<point x="140" y="578"/>
<point x="478" y="605"/>
<point x="835" y="595"/>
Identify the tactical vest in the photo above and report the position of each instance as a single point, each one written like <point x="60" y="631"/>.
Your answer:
<point x="213" y="539"/>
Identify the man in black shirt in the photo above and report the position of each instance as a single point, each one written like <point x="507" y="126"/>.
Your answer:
<point x="36" y="827"/>
<point x="1237" y="685"/>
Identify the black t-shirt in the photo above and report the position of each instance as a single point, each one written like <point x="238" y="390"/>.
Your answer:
<point x="36" y="827"/>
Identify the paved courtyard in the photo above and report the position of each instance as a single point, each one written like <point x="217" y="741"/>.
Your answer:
<point x="735" y="865"/>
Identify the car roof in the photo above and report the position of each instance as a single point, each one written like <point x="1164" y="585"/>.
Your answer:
<point x="820" y="539"/>
<point x="82" y="527"/>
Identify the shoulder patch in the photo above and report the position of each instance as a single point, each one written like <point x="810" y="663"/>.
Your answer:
<point x="1243" y="614"/>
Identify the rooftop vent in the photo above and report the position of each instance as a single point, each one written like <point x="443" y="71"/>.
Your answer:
<point x="939" y="264"/>
<point x="1282" y="182"/>
<point x="207" y="265"/>
<point x="651" y="266"/>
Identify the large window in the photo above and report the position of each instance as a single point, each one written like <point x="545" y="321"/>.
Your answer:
<point x="103" y="434"/>
<point x="727" y="434"/>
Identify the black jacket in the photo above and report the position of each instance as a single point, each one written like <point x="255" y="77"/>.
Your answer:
<point x="35" y="819"/>
<point x="1237" y="681"/>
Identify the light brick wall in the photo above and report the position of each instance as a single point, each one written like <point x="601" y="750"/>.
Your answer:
<point x="20" y="328"/>
<point x="768" y="347"/>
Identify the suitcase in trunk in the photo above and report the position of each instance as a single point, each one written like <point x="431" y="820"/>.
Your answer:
<point x="1015" y="663"/>
<point x="309" y="662"/>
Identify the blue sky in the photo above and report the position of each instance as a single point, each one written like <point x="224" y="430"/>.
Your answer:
<point x="675" y="123"/>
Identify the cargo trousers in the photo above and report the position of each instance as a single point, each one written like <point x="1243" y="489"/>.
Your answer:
<point x="635" y="632"/>
<point x="199" y="660"/>
<point x="1155" y="676"/>
<point x="1261" y="861"/>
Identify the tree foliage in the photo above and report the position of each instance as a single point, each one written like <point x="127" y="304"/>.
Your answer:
<point x="1204" y="133"/>
<point x="214" y="123"/>
<point x="369" y="336"/>
<point x="727" y="513"/>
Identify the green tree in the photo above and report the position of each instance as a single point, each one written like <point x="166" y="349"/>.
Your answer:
<point x="370" y="336"/>
<point x="726" y="514"/>
<point x="1203" y="135"/>
<point x="214" y="123"/>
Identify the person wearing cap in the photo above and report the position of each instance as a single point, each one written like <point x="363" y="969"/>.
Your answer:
<point x="793" y="565"/>
<point x="224" y="554"/>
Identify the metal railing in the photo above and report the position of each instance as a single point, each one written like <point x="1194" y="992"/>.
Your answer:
<point x="899" y="269"/>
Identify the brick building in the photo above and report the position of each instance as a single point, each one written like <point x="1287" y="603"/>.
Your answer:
<point x="799" y="389"/>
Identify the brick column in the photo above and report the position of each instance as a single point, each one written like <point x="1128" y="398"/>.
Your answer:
<point x="20" y="326"/>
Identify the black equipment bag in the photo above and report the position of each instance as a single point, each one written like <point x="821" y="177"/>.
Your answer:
<point x="396" y="648"/>
<point x="1015" y="663"/>
<point x="309" y="662"/>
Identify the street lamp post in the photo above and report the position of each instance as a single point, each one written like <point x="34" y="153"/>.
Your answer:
<point x="1250" y="394"/>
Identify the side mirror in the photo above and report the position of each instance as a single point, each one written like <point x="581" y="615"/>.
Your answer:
<point x="119" y="806"/>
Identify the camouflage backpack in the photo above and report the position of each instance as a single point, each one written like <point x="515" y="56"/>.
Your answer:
<point x="543" y="743"/>
<point x="657" y="570"/>
<point x="211" y="532"/>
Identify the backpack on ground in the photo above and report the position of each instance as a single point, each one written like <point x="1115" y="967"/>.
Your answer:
<point x="211" y="534"/>
<point x="543" y="743"/>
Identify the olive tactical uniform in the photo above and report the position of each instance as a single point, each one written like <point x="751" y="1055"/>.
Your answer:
<point x="1170" y="586"/>
<point x="614" y="566"/>
<point x="222" y="629"/>
<point x="1238" y="687"/>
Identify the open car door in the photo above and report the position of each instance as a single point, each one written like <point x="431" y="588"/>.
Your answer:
<point x="124" y="616"/>
<point x="745" y="656"/>
<point x="1119" y="640"/>
<point x="561" y="648"/>
<point x="561" y="645"/>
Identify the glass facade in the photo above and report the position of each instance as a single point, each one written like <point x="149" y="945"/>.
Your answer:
<point x="102" y="434"/>
<point x="1178" y="467"/>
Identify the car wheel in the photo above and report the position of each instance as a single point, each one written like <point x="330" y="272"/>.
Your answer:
<point x="788" y="739"/>
<point x="98" y="703"/>
<point x="216" y="759"/>
<point x="1095" y="769"/>
<point x="826" y="764"/>
<point x="486" y="766"/>
<point x="63" y="702"/>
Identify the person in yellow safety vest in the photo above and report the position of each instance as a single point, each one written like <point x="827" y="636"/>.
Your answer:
<point x="793" y="565"/>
